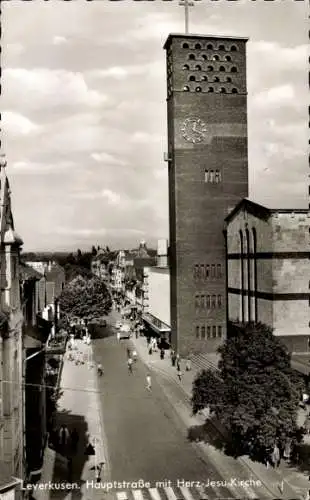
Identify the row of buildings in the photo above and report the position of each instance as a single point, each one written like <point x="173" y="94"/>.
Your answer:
<point x="28" y="317"/>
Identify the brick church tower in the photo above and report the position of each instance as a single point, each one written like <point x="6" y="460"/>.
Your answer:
<point x="208" y="175"/>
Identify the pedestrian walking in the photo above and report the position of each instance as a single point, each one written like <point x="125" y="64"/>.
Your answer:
<point x="134" y="355"/>
<point x="162" y="354"/>
<point x="63" y="437"/>
<point x="173" y="358"/>
<point x="118" y="336"/>
<point x="128" y="352"/>
<point x="188" y="365"/>
<point x="74" y="440"/>
<point x="129" y="362"/>
<point x="100" y="369"/>
<point x="179" y="373"/>
<point x="148" y="382"/>
<point x="150" y="350"/>
<point x="178" y="365"/>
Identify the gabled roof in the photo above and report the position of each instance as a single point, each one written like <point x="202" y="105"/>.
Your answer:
<point x="28" y="272"/>
<point x="251" y="207"/>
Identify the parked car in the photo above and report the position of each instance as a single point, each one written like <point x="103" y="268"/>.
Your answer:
<point x="125" y="332"/>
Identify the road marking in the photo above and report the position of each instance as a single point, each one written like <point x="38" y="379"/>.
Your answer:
<point x="137" y="494"/>
<point x="122" y="495"/>
<point x="170" y="493"/>
<point x="154" y="494"/>
<point x="186" y="493"/>
<point x="202" y="493"/>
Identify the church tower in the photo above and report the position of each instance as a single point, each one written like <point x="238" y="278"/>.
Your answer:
<point x="208" y="175"/>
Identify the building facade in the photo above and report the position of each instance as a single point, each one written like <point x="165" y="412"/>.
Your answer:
<point x="208" y="175"/>
<point x="11" y="345"/>
<point x="268" y="270"/>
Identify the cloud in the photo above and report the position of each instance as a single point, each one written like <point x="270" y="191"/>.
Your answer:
<point x="107" y="158"/>
<point x="16" y="124"/>
<point x="56" y="88"/>
<point x="59" y="40"/>
<point x="32" y="167"/>
<point x="277" y="96"/>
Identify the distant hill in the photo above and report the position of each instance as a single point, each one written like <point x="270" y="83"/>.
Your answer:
<point x="43" y="256"/>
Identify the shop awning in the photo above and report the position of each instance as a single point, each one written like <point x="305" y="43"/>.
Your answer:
<point x="156" y="324"/>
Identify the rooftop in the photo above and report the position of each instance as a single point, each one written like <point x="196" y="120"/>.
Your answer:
<point x="205" y="37"/>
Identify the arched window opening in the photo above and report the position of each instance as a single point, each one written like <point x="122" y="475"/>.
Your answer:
<point x="204" y="57"/>
<point x="217" y="176"/>
<point x="233" y="48"/>
<point x="204" y="78"/>
<point x="255" y="271"/>
<point x="216" y="79"/>
<point x="234" y="91"/>
<point x="185" y="46"/>
<point x="210" y="89"/>
<point x="186" y="66"/>
<point x="212" y="265"/>
<point x="222" y="68"/>
<point x="214" y="331"/>
<point x="191" y="56"/>
<point x="219" y="331"/>
<point x="198" y="46"/>
<point x="197" y="332"/>
<point x="192" y="78"/>
<point x="228" y="79"/>
<point x="198" y="89"/>
<point x="186" y="88"/>
<point x="233" y="69"/>
<point x="210" y="46"/>
<point x="219" y="301"/>
<point x="215" y="58"/>
<point x="227" y="58"/>
<point x="208" y="301"/>
<point x="203" y="332"/>
<point x="213" y="302"/>
<point x="210" y="68"/>
<point x="198" y="67"/>
<point x="221" y="47"/>
<point x="222" y="90"/>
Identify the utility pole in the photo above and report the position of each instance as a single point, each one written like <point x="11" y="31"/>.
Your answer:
<point x="186" y="4"/>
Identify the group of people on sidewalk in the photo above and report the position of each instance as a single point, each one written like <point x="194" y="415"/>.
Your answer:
<point x="153" y="346"/>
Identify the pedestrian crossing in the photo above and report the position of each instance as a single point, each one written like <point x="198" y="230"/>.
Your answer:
<point x="197" y="492"/>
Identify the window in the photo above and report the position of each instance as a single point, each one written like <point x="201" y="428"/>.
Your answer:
<point x="221" y="47"/>
<point x="203" y="332"/>
<point x="198" y="46"/>
<point x="202" y="302"/>
<point x="221" y="68"/>
<point x="206" y="175"/>
<point x="208" y="301"/>
<point x="210" y="68"/>
<point x="233" y="48"/>
<point x="204" y="78"/>
<point x="234" y="91"/>
<point x="202" y="271"/>
<point x="214" y="331"/>
<point x="211" y="176"/>
<point x="208" y="332"/>
<point x="210" y="46"/>
<point x="222" y="90"/>
<point x="186" y="88"/>
<point x="227" y="58"/>
<point x="204" y="57"/>
<point x="213" y="271"/>
<point x="196" y="271"/>
<point x="198" y="67"/>
<point x="192" y="78"/>
<point x="197" y="301"/>
<point x="197" y="332"/>
<point x="218" y="271"/>
<point x="210" y="89"/>
<point x="233" y="69"/>
<point x="215" y="58"/>
<point x="219" y="301"/>
<point x="198" y="89"/>
<point x="217" y="176"/>
<point x="219" y="331"/>
<point x="192" y="57"/>
<point x="186" y="66"/>
<point x="207" y="271"/>
<point x="216" y="79"/>
<point x="213" y="303"/>
<point x="185" y="46"/>
<point x="228" y="79"/>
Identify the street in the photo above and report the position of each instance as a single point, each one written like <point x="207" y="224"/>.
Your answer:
<point x="146" y="439"/>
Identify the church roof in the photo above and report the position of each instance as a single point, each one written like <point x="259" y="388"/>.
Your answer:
<point x="204" y="36"/>
<point x="261" y="211"/>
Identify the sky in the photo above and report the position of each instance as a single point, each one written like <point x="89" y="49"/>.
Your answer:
<point x="84" y="113"/>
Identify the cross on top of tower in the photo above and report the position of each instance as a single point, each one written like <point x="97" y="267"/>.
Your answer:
<point x="186" y="4"/>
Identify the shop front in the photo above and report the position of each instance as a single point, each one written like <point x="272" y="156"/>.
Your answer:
<point x="156" y="328"/>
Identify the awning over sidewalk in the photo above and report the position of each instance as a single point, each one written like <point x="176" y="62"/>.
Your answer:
<point x="156" y="324"/>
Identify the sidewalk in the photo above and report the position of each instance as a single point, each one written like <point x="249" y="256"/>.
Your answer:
<point x="295" y="483"/>
<point x="79" y="407"/>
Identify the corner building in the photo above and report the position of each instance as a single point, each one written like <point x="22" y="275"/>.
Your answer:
<point x="208" y="176"/>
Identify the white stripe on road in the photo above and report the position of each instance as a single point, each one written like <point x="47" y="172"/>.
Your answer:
<point x="137" y="495"/>
<point x="202" y="493"/>
<point x="186" y="493"/>
<point x="170" y="493"/>
<point x="122" y="495"/>
<point x="154" y="494"/>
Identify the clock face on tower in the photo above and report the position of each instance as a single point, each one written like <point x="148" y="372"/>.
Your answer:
<point x="193" y="130"/>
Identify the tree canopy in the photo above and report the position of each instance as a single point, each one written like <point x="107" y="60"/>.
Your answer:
<point x="255" y="393"/>
<point x="85" y="297"/>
